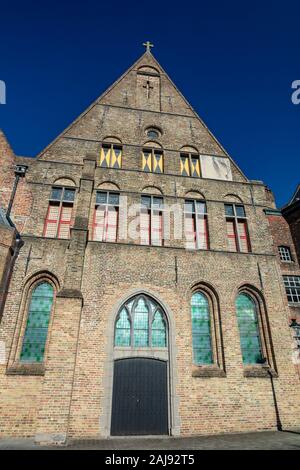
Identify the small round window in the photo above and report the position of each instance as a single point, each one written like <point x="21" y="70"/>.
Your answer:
<point x="152" y="134"/>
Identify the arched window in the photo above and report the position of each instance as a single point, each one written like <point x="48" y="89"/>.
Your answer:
<point x="201" y="329"/>
<point x="246" y="311"/>
<point x="141" y="323"/>
<point x="33" y="347"/>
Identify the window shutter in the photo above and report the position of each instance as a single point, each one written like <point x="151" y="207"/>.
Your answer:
<point x="145" y="227"/>
<point x="65" y="221"/>
<point x="184" y="166"/>
<point x="202" y="232"/>
<point x="190" y="231"/>
<point x="242" y="229"/>
<point x="99" y="223"/>
<point x="111" y="224"/>
<point x="147" y="161"/>
<point x="231" y="235"/>
<point x="156" y="228"/>
<point x="51" y="220"/>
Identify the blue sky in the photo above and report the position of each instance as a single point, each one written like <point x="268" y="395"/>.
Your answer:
<point x="233" y="61"/>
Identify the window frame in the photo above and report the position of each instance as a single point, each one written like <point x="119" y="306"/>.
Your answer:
<point x="235" y="219"/>
<point x="284" y="250"/>
<point x="190" y="156"/>
<point x="60" y="203"/>
<point x="195" y="213"/>
<point x="260" y="330"/>
<point x="14" y="365"/>
<point x="151" y="212"/>
<point x="111" y="146"/>
<point x="267" y="348"/>
<point x="152" y="151"/>
<point x="131" y="317"/>
<point x="290" y="287"/>
<point x="106" y="205"/>
<point x="211" y="330"/>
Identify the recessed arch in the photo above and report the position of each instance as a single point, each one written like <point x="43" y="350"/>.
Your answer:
<point x="148" y="69"/>
<point x="152" y="144"/>
<point x="64" y="181"/>
<point x="112" y="140"/>
<point x="29" y="288"/>
<point x="232" y="198"/>
<point x="189" y="149"/>
<point x="174" y="419"/>
<point x="209" y="306"/>
<point x="108" y="185"/>
<point x="152" y="190"/>
<point x="193" y="194"/>
<point x="257" y="299"/>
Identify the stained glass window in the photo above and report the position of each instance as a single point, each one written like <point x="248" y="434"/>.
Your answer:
<point x="122" y="331"/>
<point x="35" y="337"/>
<point x="201" y="331"/>
<point x="249" y="331"/>
<point x="159" y="331"/>
<point x="141" y="323"/>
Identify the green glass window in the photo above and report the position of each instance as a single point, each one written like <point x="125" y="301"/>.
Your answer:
<point x="35" y="337"/>
<point x="159" y="331"/>
<point x="140" y="324"/>
<point x="122" y="331"/>
<point x="249" y="331"/>
<point x="201" y="331"/>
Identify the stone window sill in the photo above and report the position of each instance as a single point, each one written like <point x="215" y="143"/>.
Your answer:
<point x="259" y="371"/>
<point x="207" y="371"/>
<point x="19" y="368"/>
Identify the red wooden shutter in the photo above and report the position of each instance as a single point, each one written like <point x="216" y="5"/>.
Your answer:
<point x="50" y="229"/>
<point x="65" y="221"/>
<point x="111" y="224"/>
<point x="99" y="223"/>
<point x="156" y="228"/>
<point x="231" y="235"/>
<point x="202" y="232"/>
<point x="242" y="229"/>
<point x="145" y="227"/>
<point x="190" y="230"/>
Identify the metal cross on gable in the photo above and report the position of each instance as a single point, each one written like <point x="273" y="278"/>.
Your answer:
<point x="148" y="88"/>
<point x="148" y="46"/>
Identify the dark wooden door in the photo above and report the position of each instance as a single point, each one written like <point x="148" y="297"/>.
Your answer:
<point x="140" y="397"/>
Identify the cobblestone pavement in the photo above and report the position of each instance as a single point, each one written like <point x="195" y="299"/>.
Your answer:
<point x="249" y="441"/>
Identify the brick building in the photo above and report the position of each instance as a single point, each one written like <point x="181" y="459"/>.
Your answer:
<point x="147" y="297"/>
<point x="291" y="212"/>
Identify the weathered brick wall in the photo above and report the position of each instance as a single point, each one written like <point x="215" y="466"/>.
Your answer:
<point x="70" y="396"/>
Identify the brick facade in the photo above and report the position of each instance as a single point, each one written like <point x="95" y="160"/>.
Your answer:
<point x="69" y="395"/>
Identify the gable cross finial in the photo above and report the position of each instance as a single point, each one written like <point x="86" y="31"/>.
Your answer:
<point x="148" y="46"/>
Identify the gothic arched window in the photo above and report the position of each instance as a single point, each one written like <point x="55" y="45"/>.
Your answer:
<point x="35" y="337"/>
<point x="201" y="329"/>
<point x="251" y="347"/>
<point x="141" y="323"/>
